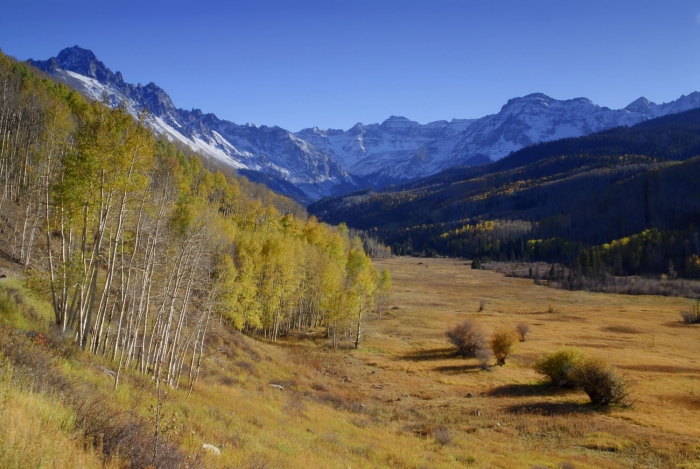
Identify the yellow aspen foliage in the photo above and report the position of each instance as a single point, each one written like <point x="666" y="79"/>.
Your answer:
<point x="144" y="244"/>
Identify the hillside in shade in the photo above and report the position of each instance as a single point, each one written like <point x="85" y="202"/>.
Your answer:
<point x="567" y="194"/>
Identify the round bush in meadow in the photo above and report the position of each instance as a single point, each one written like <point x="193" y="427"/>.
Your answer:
<point x="557" y="366"/>
<point x="502" y="342"/>
<point x="467" y="338"/>
<point x="601" y="381"/>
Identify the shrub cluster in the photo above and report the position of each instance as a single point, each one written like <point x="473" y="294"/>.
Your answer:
<point x="443" y="435"/>
<point x="471" y="343"/>
<point x="570" y="367"/>
<point x="557" y="366"/>
<point x="468" y="339"/>
<point x="522" y="329"/>
<point x="603" y="384"/>
<point x="502" y="342"/>
<point x="692" y="316"/>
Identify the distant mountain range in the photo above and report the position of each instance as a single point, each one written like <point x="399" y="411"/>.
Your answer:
<point x="314" y="163"/>
<point x="270" y="150"/>
<point x="568" y="194"/>
<point x="396" y="150"/>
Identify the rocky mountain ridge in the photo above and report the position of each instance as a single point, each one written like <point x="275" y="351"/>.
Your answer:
<point x="276" y="152"/>
<point x="538" y="118"/>
<point x="315" y="162"/>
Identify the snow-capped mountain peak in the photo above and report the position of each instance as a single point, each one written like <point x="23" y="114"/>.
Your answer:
<point x="396" y="150"/>
<point x="537" y="117"/>
<point x="270" y="150"/>
<point x="319" y="161"/>
<point x="84" y="62"/>
<point x="641" y="105"/>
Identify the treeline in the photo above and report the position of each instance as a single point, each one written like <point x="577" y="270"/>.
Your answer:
<point x="674" y="253"/>
<point x="672" y="137"/>
<point x="140" y="247"/>
<point x="586" y="205"/>
<point x="515" y="187"/>
<point x="548" y="202"/>
<point x="493" y="239"/>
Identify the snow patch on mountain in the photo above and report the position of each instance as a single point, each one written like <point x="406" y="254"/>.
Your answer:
<point x="395" y="150"/>
<point x="400" y="149"/>
<point x="324" y="161"/>
<point x="271" y="150"/>
<point x="537" y="118"/>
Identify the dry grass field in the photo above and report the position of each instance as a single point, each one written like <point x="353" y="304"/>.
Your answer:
<point x="519" y="419"/>
<point x="404" y="400"/>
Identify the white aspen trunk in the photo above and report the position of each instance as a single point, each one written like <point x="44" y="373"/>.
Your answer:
<point x="76" y="312"/>
<point x="100" y="313"/>
<point x="191" y="340"/>
<point x="145" y="302"/>
<point x="95" y="265"/>
<point x="192" y="362"/>
<point x="112" y="260"/>
<point x="58" y="313"/>
<point x="129" y="339"/>
<point x="201" y="354"/>
<point x="113" y="257"/>
<point x="164" y="339"/>
<point x="358" y="336"/>
<point x="144" y="305"/>
<point x="178" y="331"/>
<point x="30" y="242"/>
<point x="25" y="228"/>
<point x="65" y="253"/>
<point x="155" y="334"/>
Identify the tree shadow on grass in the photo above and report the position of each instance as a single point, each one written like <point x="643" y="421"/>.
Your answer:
<point x="661" y="369"/>
<point x="554" y="408"/>
<point x="429" y="355"/>
<point x="458" y="369"/>
<point x="525" y="390"/>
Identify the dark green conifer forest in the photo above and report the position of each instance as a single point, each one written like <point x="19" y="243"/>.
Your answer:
<point x="627" y="197"/>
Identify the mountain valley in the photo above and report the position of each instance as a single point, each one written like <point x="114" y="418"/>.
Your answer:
<point x="178" y="291"/>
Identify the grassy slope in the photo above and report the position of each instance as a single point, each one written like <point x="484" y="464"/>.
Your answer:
<point x="377" y="407"/>
<point x="36" y="428"/>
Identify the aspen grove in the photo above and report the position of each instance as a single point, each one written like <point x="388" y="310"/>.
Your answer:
<point x="139" y="247"/>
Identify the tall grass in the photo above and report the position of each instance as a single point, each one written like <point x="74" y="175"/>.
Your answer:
<point x="52" y="389"/>
<point x="37" y="430"/>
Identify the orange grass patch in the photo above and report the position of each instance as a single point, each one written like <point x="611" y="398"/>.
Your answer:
<point x="661" y="362"/>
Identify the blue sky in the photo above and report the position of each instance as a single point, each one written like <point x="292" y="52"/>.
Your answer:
<point x="334" y="63"/>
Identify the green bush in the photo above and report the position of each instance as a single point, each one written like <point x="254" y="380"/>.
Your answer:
<point x="570" y="367"/>
<point x="601" y="381"/>
<point x="558" y="366"/>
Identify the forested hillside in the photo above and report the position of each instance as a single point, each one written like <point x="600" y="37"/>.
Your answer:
<point x="549" y="201"/>
<point x="139" y="247"/>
